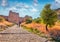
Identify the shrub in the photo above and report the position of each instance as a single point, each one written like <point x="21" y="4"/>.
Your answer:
<point x="1" y="19"/>
<point x="37" y="20"/>
<point x="28" y="21"/>
<point x="36" y="31"/>
<point x="10" y="25"/>
<point x="31" y="29"/>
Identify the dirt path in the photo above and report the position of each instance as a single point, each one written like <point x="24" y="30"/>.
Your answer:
<point x="16" y="34"/>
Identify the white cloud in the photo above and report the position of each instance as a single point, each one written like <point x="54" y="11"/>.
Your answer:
<point x="34" y="10"/>
<point x="22" y="5"/>
<point x="35" y="2"/>
<point x="4" y="2"/>
<point x="23" y="9"/>
<point x="19" y="5"/>
<point x="56" y="4"/>
<point x="58" y="1"/>
<point x="13" y="8"/>
<point x="26" y="6"/>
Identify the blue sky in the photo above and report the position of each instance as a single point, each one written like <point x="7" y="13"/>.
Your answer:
<point x="26" y="7"/>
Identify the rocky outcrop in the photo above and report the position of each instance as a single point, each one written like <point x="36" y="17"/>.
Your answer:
<point x="14" y="17"/>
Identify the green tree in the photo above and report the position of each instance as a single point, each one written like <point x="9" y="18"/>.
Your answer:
<point x="37" y="20"/>
<point x="29" y="20"/>
<point x="48" y="16"/>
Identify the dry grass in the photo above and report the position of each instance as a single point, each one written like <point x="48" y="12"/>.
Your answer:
<point x="4" y="23"/>
<point x="41" y="26"/>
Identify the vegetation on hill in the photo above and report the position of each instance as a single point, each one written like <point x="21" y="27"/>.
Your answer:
<point x="28" y="20"/>
<point x="34" y="30"/>
<point x="4" y="24"/>
<point x="2" y="19"/>
<point x="37" y="20"/>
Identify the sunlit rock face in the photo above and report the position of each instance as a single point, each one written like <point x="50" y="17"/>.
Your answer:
<point x="13" y="17"/>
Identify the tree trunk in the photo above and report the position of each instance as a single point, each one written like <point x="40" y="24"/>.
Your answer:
<point x="46" y="27"/>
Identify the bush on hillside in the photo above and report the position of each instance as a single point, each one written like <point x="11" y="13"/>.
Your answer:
<point x="28" y="21"/>
<point x="37" y="20"/>
<point x="2" y="19"/>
